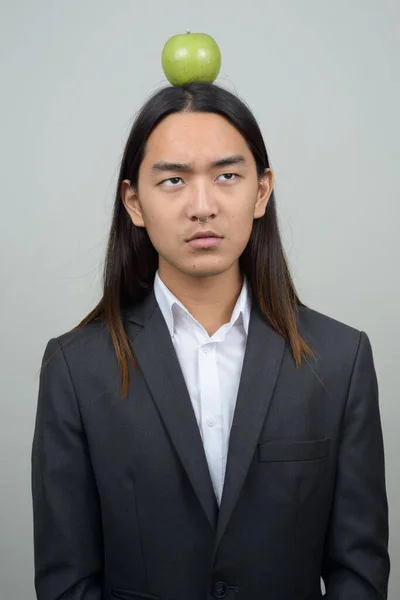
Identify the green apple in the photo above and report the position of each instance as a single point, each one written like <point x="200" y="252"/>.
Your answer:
<point x="188" y="57"/>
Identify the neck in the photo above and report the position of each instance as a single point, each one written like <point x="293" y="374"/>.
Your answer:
<point x="210" y="300"/>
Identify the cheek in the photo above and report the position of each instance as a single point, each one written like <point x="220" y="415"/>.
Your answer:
<point x="160" y="230"/>
<point x="153" y="218"/>
<point x="241" y="220"/>
<point x="155" y="229"/>
<point x="240" y="224"/>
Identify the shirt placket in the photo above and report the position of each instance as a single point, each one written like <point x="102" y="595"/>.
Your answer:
<point x="211" y="421"/>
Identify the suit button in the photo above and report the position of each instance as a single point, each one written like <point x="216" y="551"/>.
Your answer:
<point x="220" y="589"/>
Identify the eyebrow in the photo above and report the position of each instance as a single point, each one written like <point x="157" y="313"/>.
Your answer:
<point x="236" y="159"/>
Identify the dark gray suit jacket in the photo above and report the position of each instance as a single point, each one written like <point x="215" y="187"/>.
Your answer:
<point x="123" y="502"/>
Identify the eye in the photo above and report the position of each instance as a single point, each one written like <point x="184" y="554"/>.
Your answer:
<point x="231" y="176"/>
<point x="173" y="180"/>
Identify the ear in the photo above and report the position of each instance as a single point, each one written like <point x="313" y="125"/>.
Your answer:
<point x="130" y="200"/>
<point x="265" y="187"/>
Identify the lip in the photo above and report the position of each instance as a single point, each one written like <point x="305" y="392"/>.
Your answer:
<point x="205" y="239"/>
<point x="205" y="242"/>
<point x="203" y="234"/>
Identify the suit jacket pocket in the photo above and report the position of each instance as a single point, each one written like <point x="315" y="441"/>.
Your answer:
<point x="132" y="595"/>
<point x="293" y="451"/>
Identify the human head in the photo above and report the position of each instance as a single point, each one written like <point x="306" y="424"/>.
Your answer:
<point x="221" y="184"/>
<point x="197" y="102"/>
<point x="132" y="260"/>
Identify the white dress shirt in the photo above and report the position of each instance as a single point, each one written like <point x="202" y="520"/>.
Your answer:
<point x="211" y="366"/>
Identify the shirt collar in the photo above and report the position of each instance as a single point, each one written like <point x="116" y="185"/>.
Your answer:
<point x="167" y="300"/>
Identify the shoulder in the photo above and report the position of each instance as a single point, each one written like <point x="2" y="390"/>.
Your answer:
<point x="321" y="324"/>
<point x="330" y="338"/>
<point x="83" y="346"/>
<point x="84" y="338"/>
<point x="92" y="344"/>
<point x="95" y="340"/>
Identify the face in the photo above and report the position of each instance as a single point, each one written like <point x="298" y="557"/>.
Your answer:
<point x="197" y="166"/>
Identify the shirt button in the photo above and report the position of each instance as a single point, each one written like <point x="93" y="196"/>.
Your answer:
<point x="210" y="422"/>
<point x="205" y="350"/>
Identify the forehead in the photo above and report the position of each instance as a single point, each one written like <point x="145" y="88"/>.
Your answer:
<point x="194" y="137"/>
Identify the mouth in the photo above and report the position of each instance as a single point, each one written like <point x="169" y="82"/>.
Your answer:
<point x="205" y="239"/>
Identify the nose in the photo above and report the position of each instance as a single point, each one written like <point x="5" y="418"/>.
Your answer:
<point x="202" y="204"/>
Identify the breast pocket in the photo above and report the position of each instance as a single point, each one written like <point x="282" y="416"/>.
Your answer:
<point x="293" y="451"/>
<point x="293" y="471"/>
<point x="122" y="594"/>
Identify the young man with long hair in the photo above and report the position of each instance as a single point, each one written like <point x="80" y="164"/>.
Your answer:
<point x="202" y="433"/>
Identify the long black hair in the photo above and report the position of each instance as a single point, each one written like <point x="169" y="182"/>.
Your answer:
<point x="131" y="259"/>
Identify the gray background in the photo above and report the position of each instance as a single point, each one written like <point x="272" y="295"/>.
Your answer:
<point x="323" y="80"/>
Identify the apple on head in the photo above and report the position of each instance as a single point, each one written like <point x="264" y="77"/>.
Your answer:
<point x="189" y="57"/>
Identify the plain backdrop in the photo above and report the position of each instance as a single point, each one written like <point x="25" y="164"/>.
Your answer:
<point x="322" y="78"/>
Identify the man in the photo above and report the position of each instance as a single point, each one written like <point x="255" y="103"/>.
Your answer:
<point x="243" y="457"/>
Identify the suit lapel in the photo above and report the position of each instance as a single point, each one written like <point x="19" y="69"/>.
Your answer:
<point x="261" y="365"/>
<point x="156" y="356"/>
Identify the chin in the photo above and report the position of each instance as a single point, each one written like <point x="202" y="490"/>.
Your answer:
<point x="201" y="269"/>
<point x="202" y="273"/>
<point x="199" y="266"/>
